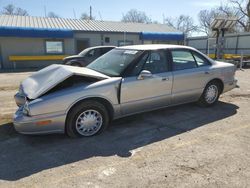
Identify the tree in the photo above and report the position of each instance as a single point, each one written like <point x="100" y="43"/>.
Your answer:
<point x="85" y="16"/>
<point x="242" y="8"/>
<point x="134" y="15"/>
<point x="182" y="23"/>
<point x="12" y="10"/>
<point x="53" y="15"/>
<point x="238" y="9"/>
<point x="206" y="18"/>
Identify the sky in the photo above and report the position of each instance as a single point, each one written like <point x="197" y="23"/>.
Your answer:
<point x="112" y="10"/>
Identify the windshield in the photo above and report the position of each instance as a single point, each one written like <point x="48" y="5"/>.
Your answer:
<point x="114" y="62"/>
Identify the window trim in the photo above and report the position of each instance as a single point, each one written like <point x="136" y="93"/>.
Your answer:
<point x="201" y="57"/>
<point x="54" y="40"/>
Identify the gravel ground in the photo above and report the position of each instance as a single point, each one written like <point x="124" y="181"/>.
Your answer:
<point x="184" y="146"/>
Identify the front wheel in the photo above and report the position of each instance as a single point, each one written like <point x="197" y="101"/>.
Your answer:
<point x="210" y="94"/>
<point x="87" y="119"/>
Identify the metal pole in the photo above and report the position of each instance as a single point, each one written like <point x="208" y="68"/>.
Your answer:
<point x="241" y="60"/>
<point x="208" y="44"/>
<point x="124" y="38"/>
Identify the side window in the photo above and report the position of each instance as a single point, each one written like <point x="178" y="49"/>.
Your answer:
<point x="201" y="61"/>
<point x="183" y="59"/>
<point x="156" y="62"/>
<point x="138" y="68"/>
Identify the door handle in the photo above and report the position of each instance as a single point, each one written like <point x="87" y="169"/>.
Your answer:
<point x="165" y="79"/>
<point x="206" y="72"/>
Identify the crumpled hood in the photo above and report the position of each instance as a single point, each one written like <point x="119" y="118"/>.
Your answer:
<point x="45" y="79"/>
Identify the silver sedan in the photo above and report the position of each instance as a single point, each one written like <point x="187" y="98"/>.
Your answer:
<point x="125" y="81"/>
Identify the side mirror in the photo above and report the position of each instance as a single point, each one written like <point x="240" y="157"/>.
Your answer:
<point x="144" y="74"/>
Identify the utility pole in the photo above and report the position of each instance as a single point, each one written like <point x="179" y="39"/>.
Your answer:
<point x="90" y="13"/>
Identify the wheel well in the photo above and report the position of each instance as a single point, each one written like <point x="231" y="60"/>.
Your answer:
<point x="103" y="101"/>
<point x="219" y="81"/>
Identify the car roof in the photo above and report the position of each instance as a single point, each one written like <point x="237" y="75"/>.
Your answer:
<point x="153" y="47"/>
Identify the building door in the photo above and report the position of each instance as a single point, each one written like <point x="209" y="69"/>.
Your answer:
<point x="81" y="45"/>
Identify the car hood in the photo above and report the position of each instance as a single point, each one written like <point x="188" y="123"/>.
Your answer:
<point x="44" y="80"/>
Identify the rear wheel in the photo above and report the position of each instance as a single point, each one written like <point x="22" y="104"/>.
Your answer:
<point x="210" y="94"/>
<point x="87" y="119"/>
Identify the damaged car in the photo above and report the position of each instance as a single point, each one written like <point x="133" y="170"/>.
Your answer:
<point x="125" y="81"/>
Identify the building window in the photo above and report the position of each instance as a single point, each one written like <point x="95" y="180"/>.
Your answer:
<point x="107" y="40"/>
<point x="125" y="43"/>
<point x="54" y="47"/>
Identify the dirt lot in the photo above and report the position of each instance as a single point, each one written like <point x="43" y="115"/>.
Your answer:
<point x="184" y="146"/>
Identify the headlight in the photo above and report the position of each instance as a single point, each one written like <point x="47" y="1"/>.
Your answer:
<point x="26" y="109"/>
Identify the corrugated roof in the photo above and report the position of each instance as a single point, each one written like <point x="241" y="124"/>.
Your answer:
<point x="80" y="25"/>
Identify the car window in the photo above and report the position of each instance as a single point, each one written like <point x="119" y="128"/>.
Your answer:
<point x="105" y="50"/>
<point x="138" y="68"/>
<point x="156" y="62"/>
<point x="183" y="59"/>
<point x="201" y="61"/>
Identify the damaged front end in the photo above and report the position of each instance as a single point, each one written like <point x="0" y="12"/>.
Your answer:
<point x="45" y="97"/>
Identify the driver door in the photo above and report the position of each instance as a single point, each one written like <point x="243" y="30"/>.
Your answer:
<point x="151" y="92"/>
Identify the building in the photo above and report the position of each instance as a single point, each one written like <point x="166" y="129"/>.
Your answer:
<point x="35" y="42"/>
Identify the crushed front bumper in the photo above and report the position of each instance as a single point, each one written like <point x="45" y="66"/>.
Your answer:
<point x="42" y="124"/>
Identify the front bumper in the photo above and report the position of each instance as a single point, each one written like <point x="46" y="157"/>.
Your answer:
<point x="35" y="124"/>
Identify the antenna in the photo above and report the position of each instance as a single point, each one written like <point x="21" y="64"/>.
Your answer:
<point x="74" y="13"/>
<point x="163" y="17"/>
<point x="45" y="13"/>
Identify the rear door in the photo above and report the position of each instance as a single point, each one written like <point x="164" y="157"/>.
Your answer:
<point x="146" y="94"/>
<point x="191" y="72"/>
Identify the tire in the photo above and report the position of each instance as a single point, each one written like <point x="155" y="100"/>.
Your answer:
<point x="210" y="94"/>
<point x="86" y="119"/>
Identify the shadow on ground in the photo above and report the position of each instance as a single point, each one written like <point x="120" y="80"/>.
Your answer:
<point x="22" y="156"/>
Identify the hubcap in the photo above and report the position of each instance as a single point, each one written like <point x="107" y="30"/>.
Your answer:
<point x="89" y="122"/>
<point x="211" y="94"/>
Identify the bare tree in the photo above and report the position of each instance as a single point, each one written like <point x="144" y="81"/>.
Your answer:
<point x="206" y="18"/>
<point x="134" y="15"/>
<point x="85" y="16"/>
<point x="53" y="15"/>
<point x="182" y="23"/>
<point x="242" y="7"/>
<point x="239" y="9"/>
<point x="12" y="10"/>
